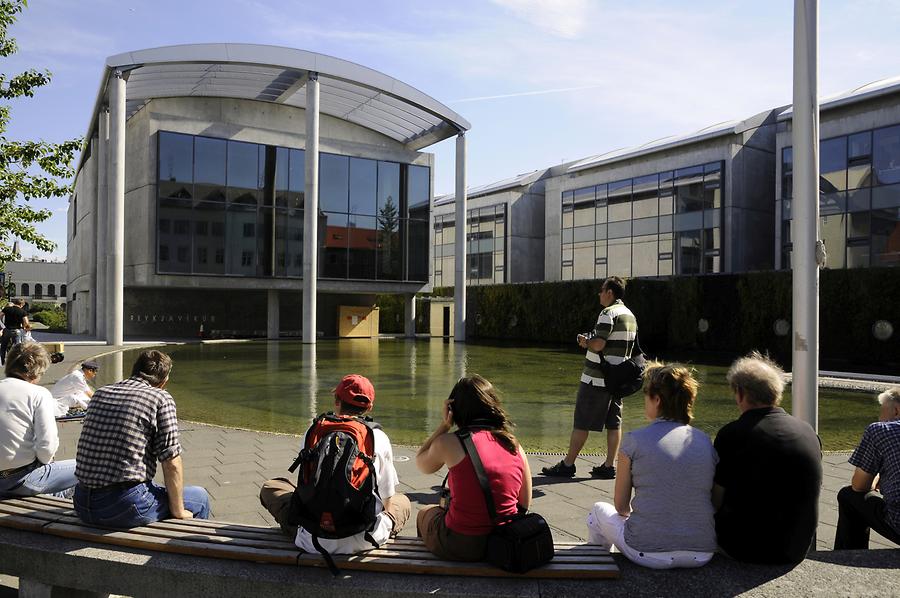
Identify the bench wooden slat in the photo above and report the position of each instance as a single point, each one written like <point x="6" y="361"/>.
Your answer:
<point x="235" y="531"/>
<point x="20" y="522"/>
<point x="142" y="541"/>
<point x="26" y="511"/>
<point x="404" y="554"/>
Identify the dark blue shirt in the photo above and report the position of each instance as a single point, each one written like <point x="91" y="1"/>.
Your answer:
<point x="878" y="453"/>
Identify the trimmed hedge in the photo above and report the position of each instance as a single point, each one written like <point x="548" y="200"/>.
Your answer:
<point x="55" y="320"/>
<point x="739" y="313"/>
<point x="391" y="311"/>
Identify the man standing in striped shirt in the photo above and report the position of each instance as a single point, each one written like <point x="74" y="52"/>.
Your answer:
<point x="611" y="339"/>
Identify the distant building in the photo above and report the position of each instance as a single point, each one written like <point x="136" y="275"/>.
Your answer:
<point x="37" y="281"/>
<point x="215" y="179"/>
<point x="714" y="201"/>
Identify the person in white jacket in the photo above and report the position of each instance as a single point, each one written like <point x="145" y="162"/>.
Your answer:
<point x="28" y="434"/>
<point x="72" y="391"/>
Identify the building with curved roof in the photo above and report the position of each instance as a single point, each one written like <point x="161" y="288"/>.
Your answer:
<point x="200" y="167"/>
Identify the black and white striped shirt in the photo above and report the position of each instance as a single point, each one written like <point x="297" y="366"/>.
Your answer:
<point x="129" y="427"/>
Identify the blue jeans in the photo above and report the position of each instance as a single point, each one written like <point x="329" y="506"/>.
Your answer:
<point x="56" y="478"/>
<point x="134" y="506"/>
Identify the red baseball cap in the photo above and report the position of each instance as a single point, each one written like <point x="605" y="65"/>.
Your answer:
<point x="355" y="389"/>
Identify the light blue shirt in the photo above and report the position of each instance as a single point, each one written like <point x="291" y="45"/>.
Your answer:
<point x="672" y="468"/>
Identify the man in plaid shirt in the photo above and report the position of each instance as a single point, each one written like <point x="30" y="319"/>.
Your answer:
<point x="872" y="500"/>
<point x="129" y="427"/>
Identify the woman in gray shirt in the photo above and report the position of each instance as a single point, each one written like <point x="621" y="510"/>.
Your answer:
<point x="669" y="468"/>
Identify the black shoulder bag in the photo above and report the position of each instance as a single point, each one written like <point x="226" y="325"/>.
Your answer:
<point x="626" y="378"/>
<point x="518" y="543"/>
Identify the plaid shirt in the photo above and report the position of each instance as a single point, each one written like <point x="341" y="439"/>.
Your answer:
<point x="879" y="453"/>
<point x="129" y="426"/>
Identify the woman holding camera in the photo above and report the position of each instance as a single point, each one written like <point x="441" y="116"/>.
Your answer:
<point x="459" y="531"/>
<point x="669" y="468"/>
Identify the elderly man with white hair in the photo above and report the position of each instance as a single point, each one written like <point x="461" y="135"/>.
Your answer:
<point x="872" y="500"/>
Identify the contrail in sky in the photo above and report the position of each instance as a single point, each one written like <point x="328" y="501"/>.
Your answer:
<point x="526" y="93"/>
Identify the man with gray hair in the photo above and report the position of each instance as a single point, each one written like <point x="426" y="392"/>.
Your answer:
<point x="767" y="481"/>
<point x="872" y="500"/>
<point x="130" y="427"/>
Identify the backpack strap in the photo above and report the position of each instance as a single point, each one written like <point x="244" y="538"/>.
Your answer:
<point x="325" y="555"/>
<point x="305" y="450"/>
<point x="468" y="445"/>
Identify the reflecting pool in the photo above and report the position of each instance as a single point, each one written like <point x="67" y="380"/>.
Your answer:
<point x="280" y="386"/>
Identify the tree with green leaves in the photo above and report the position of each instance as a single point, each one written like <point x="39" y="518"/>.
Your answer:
<point x="28" y="169"/>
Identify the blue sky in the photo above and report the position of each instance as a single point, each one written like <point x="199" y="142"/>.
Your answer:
<point x="541" y="81"/>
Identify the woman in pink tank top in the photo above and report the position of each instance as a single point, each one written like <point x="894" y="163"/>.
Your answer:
<point x="460" y="532"/>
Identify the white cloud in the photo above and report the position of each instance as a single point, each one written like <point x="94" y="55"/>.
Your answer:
<point x="564" y="18"/>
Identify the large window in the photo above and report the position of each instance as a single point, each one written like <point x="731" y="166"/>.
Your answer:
<point x="859" y="199"/>
<point x="485" y="247"/>
<point x="233" y="208"/>
<point x="655" y="225"/>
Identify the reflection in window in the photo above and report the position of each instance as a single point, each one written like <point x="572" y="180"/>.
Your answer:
<point x="859" y="226"/>
<point x="38" y="291"/>
<point x="485" y="246"/>
<point x="236" y="208"/>
<point x="631" y="230"/>
<point x="334" y="173"/>
<point x="51" y="290"/>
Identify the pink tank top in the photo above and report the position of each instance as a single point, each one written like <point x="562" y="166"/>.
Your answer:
<point x="468" y="511"/>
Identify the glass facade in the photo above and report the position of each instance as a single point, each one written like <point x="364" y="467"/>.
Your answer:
<point x="233" y="208"/>
<point x="859" y="199"/>
<point x="485" y="247"/>
<point x="656" y="225"/>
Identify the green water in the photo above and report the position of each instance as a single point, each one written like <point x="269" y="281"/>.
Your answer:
<point x="280" y="386"/>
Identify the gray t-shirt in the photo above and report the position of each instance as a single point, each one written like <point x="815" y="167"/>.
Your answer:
<point x="672" y="467"/>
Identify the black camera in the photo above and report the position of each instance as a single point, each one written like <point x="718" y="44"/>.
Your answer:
<point x="56" y="357"/>
<point x="444" y="496"/>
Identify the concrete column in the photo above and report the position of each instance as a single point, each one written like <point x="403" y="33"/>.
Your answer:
<point x="409" y="315"/>
<point x="459" y="282"/>
<point x="116" y="255"/>
<point x="805" y="389"/>
<point x="273" y="324"/>
<point x="102" y="221"/>
<point x="311" y="210"/>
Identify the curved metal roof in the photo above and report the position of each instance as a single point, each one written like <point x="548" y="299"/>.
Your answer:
<point x="863" y="92"/>
<point x="519" y="180"/>
<point x="347" y="90"/>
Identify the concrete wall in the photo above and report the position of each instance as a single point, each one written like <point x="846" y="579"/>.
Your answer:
<point x="242" y="120"/>
<point x="42" y="273"/>
<point x="81" y="248"/>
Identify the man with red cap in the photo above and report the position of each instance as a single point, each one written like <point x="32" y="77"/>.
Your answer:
<point x="353" y="396"/>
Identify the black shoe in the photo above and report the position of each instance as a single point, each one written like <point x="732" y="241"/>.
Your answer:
<point x="560" y="470"/>
<point x="604" y="472"/>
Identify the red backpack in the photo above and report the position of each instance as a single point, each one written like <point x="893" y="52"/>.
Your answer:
<point x="336" y="485"/>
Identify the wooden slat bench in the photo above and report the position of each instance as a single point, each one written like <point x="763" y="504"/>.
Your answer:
<point x="405" y="555"/>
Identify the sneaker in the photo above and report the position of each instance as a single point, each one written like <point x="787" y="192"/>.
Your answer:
<point x="604" y="472"/>
<point x="560" y="470"/>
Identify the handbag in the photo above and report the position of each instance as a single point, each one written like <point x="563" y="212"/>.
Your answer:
<point x="626" y="378"/>
<point x="518" y="543"/>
